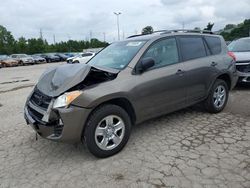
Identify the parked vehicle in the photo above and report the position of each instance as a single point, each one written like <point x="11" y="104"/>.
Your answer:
<point x="83" y="58"/>
<point x="241" y="50"/>
<point x="7" y="61"/>
<point x="38" y="59"/>
<point x="129" y="82"/>
<point x="62" y="56"/>
<point x="70" y="59"/>
<point x="50" y="58"/>
<point x="23" y="59"/>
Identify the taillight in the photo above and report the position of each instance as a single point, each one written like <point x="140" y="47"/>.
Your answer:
<point x="231" y="54"/>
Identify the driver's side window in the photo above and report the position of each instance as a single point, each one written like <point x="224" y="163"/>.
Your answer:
<point x="163" y="52"/>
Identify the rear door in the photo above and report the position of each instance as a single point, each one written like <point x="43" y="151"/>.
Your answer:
<point x="197" y="66"/>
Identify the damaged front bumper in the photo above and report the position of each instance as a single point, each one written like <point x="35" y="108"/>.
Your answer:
<point x="243" y="71"/>
<point x="62" y="124"/>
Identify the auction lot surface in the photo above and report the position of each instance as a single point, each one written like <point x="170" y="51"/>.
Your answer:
<point x="188" y="148"/>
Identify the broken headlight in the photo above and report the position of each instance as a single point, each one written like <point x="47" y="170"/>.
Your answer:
<point x="66" y="99"/>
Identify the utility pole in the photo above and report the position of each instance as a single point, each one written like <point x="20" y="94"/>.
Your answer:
<point x="90" y="35"/>
<point x="69" y="38"/>
<point x="183" y="25"/>
<point x="41" y="34"/>
<point x="118" y="27"/>
<point x="104" y="36"/>
<point x="54" y="38"/>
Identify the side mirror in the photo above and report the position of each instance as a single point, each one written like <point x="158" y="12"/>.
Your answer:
<point x="145" y="64"/>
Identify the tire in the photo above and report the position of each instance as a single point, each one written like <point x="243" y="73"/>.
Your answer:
<point x="21" y="63"/>
<point x="210" y="103"/>
<point x="98" y="121"/>
<point x="75" y="61"/>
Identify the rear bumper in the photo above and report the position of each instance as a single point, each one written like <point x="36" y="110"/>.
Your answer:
<point x="67" y="127"/>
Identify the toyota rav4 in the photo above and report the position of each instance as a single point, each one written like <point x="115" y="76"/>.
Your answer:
<point x="129" y="82"/>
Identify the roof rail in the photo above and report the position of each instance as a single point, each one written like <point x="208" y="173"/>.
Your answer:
<point x="175" y="31"/>
<point x="187" y="31"/>
<point x="134" y="36"/>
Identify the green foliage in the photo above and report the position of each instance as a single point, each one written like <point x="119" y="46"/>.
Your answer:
<point x="7" y="41"/>
<point x="229" y="26"/>
<point x="9" y="45"/>
<point x="209" y="26"/>
<point x="242" y="30"/>
<point x="147" y="30"/>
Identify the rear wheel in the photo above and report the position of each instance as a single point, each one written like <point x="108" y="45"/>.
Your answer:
<point x="107" y="130"/>
<point x="217" y="98"/>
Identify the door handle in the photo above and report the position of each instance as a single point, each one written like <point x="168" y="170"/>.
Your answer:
<point x="213" y="64"/>
<point x="180" y="72"/>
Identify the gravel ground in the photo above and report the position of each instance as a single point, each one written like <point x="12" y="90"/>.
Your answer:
<point x="188" y="148"/>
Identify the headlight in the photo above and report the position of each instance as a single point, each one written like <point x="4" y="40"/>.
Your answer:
<point x="65" y="99"/>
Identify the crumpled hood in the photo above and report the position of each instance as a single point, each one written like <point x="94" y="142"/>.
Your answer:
<point x="57" y="80"/>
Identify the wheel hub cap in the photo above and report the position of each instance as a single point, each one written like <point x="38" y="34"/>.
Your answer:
<point x="109" y="132"/>
<point x="219" y="96"/>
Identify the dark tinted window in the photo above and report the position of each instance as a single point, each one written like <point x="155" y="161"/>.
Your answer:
<point x="86" y="54"/>
<point x="214" y="44"/>
<point x="192" y="47"/>
<point x="163" y="52"/>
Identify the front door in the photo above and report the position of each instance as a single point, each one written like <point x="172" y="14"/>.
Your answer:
<point x="160" y="89"/>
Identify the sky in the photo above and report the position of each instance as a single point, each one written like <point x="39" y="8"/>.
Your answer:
<point x="82" y="19"/>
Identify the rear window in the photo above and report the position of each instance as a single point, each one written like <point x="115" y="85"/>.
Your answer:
<point x="214" y="44"/>
<point x="192" y="48"/>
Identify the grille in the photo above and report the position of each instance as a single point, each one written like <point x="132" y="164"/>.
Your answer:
<point x="40" y="99"/>
<point x="243" y="68"/>
<point x="36" y="115"/>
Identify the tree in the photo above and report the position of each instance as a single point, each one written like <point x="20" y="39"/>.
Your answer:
<point x="242" y="30"/>
<point x="9" y="45"/>
<point x="147" y="30"/>
<point x="21" y="45"/>
<point x="229" y="26"/>
<point x="209" y="26"/>
<point x="7" y="41"/>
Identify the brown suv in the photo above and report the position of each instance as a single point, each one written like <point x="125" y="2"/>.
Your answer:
<point x="129" y="82"/>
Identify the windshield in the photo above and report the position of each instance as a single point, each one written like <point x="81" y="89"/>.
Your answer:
<point x="3" y="57"/>
<point x="241" y="45"/>
<point x="117" y="55"/>
<point x="22" y="55"/>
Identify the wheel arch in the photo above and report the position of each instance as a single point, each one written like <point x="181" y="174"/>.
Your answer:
<point x="226" y="78"/>
<point x="122" y="102"/>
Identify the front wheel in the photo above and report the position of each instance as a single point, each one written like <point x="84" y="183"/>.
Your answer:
<point x="217" y="98"/>
<point x="107" y="130"/>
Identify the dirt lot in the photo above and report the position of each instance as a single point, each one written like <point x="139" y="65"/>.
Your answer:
<point x="188" y="148"/>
